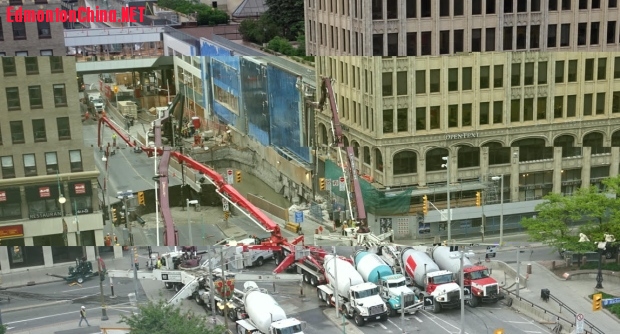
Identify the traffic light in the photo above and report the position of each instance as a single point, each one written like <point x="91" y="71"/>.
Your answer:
<point x="115" y="89"/>
<point x="597" y="302"/>
<point x="238" y="176"/>
<point x="478" y="199"/>
<point x="499" y="331"/>
<point x="114" y="216"/>
<point x="425" y="205"/>
<point x="141" y="198"/>
<point x="226" y="215"/>
<point x="322" y="183"/>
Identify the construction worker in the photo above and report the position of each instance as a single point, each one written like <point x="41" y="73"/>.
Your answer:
<point x="159" y="262"/>
<point x="114" y="139"/>
<point x="115" y="239"/>
<point x="107" y="240"/>
<point x="344" y="226"/>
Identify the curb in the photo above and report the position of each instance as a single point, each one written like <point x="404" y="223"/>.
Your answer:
<point x="15" y="309"/>
<point x="25" y="285"/>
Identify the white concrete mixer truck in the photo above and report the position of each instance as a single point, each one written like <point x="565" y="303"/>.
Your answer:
<point x="435" y="283"/>
<point x="264" y="314"/>
<point x="391" y="286"/>
<point x="477" y="279"/>
<point x="357" y="299"/>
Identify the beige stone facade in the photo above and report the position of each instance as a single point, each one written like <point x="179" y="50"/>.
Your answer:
<point x="31" y="38"/>
<point x="43" y="155"/>
<point x="437" y="27"/>
<point x="546" y="121"/>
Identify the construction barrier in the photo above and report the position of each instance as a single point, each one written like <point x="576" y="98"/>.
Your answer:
<point x="293" y="227"/>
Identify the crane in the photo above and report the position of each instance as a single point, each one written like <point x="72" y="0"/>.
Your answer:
<point x="276" y="241"/>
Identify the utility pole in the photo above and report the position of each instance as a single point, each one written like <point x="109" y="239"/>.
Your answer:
<point x="104" y="312"/>
<point x="518" y="270"/>
<point x="135" y="272"/>
<point x="336" y="297"/>
<point x="222" y="266"/>
<point x="211" y="287"/>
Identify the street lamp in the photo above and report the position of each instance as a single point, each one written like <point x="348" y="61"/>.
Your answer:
<point x="124" y="196"/>
<point x="62" y="200"/>
<point x="460" y="255"/>
<point x="501" y="214"/>
<point x="447" y="167"/>
<point x="77" y="222"/>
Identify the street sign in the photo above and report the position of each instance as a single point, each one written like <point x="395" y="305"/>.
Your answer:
<point x="611" y="301"/>
<point x="579" y="324"/>
<point x="334" y="183"/>
<point x="428" y="301"/>
<point x="225" y="205"/>
<point x="342" y="187"/>
<point x="299" y="217"/>
<point x="229" y="177"/>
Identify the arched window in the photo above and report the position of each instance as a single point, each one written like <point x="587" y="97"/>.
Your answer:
<point x="533" y="149"/>
<point x="567" y="143"/>
<point x="468" y="157"/>
<point x="405" y="162"/>
<point x="595" y="141"/>
<point x="379" y="160"/>
<point x="367" y="155"/>
<point x="434" y="159"/>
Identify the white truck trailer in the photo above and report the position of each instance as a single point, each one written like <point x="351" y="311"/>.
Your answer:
<point x="357" y="299"/>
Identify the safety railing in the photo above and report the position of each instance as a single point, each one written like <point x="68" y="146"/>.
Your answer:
<point x="590" y="330"/>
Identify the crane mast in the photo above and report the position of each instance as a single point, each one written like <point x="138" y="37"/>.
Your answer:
<point x="353" y="190"/>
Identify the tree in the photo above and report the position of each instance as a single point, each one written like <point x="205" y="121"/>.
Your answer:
<point x="557" y="219"/>
<point x="2" y="329"/>
<point x="258" y="31"/>
<point x="160" y="318"/>
<point x="287" y="14"/>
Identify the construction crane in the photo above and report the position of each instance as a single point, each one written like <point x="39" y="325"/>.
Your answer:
<point x="276" y="241"/>
<point x="360" y="234"/>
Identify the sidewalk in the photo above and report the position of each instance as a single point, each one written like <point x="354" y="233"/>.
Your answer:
<point x="571" y="293"/>
<point x="71" y="327"/>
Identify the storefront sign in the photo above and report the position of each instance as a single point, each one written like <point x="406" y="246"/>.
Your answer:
<point x="80" y="188"/>
<point x="2" y="196"/>
<point x="40" y="215"/>
<point x="11" y="231"/>
<point x="463" y="135"/>
<point x="44" y="192"/>
<point x="84" y="211"/>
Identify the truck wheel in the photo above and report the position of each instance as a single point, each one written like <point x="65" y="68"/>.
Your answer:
<point x="319" y="295"/>
<point x="260" y="261"/>
<point x="609" y="255"/>
<point x="359" y="321"/>
<point x="473" y="301"/>
<point x="276" y="258"/>
<point x="232" y="315"/>
<point x="168" y="285"/>
<point x="80" y="280"/>
<point x="313" y="281"/>
<point x="384" y="318"/>
<point x="306" y="279"/>
<point x="393" y="312"/>
<point x="178" y="287"/>
<point x="198" y="299"/>
<point x="436" y="307"/>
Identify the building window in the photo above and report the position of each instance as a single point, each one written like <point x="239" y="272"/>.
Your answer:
<point x="559" y="71"/>
<point x="558" y="107"/>
<point x="426" y="43"/>
<point x="44" y="30"/>
<point x="616" y="67"/>
<point x="565" y="34"/>
<point x="466" y="115"/>
<point x="435" y="118"/>
<point x="582" y="30"/>
<point x="1" y="31"/>
<point x="611" y="32"/>
<point x="491" y="6"/>
<point x="541" y="109"/>
<point x="476" y="7"/>
<point x="484" y="113"/>
<point x="402" y="120"/>
<point x="458" y="8"/>
<point x="388" y="89"/>
<point x="587" y="105"/>
<point x="226" y="99"/>
<point x="12" y="98"/>
<point x="594" y="33"/>
<point x="516" y="75"/>
<point x="602" y="69"/>
<point x="615" y="106"/>
<point x="484" y="77"/>
<point x="60" y="96"/>
<point x="508" y="6"/>
<point x="521" y="6"/>
<point x="476" y="40"/>
<point x="405" y="162"/>
<point x="388" y="121"/>
<point x="377" y="44"/>
<point x="551" y="35"/>
<point x="444" y="42"/>
<point x="453" y="115"/>
<point x="600" y="103"/>
<point x="19" y="30"/>
<point x="377" y="9"/>
<point x="435" y="76"/>
<point x="30" y="165"/>
<point x="34" y="95"/>
<point x="8" y="170"/>
<point x="51" y="163"/>
<point x="466" y="78"/>
<point x="534" y="37"/>
<point x="38" y="129"/>
<point x="459" y="40"/>
<point x="490" y="40"/>
<point x="498" y="112"/>
<point x="566" y="4"/>
<point x="542" y="73"/>
<point x="47" y="53"/>
<point x="612" y="3"/>
<point x="515" y="111"/>
<point x="420" y="118"/>
<point x="521" y="37"/>
<point x="412" y="44"/>
<point x="75" y="157"/>
<point x="64" y="130"/>
<point x="528" y="109"/>
<point x="425" y="8"/>
<point x="528" y="79"/>
<point x="401" y="83"/>
<point x="583" y="4"/>
<point x="420" y="81"/>
<point x="392" y="44"/>
<point x="589" y="70"/>
<point x="56" y="64"/>
<point x="498" y="76"/>
<point x="17" y="132"/>
<point x="8" y="66"/>
<point x="444" y="8"/>
<point x="571" y="106"/>
<point x="507" y="38"/>
<point x="453" y="79"/>
<point x="411" y="9"/>
<point x="572" y="70"/>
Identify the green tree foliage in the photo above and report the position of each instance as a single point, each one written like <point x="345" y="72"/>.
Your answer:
<point x="560" y="219"/>
<point x="281" y="45"/>
<point x="159" y="318"/>
<point x="2" y="329"/>
<point x="288" y="15"/>
<point x="258" y="31"/>
<point x="207" y="15"/>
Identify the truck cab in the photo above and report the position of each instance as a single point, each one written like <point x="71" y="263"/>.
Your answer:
<point x="252" y="257"/>
<point x="482" y="287"/>
<point x="367" y="304"/>
<point x="390" y="289"/>
<point x="441" y="285"/>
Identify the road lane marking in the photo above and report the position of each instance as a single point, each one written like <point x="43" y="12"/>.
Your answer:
<point x="533" y="332"/>
<point x="519" y="322"/>
<point x="382" y="326"/>
<point x="92" y="287"/>
<point x="417" y="318"/>
<point x="94" y="294"/>
<point x="400" y="329"/>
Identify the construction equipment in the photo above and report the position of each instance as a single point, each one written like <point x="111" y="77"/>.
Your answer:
<point x="357" y="299"/>
<point x="477" y="278"/>
<point x="310" y="265"/>
<point x="276" y="242"/>
<point x="392" y="287"/>
<point x="359" y="234"/>
<point x="264" y="315"/>
<point x="82" y="271"/>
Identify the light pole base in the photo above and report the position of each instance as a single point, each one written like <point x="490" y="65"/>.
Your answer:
<point x="104" y="315"/>
<point x="599" y="286"/>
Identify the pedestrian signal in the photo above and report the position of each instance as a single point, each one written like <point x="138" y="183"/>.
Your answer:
<point x="322" y="183"/>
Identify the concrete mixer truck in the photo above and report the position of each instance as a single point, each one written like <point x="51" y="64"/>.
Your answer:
<point x="477" y="279"/>
<point x="391" y="286"/>
<point x="264" y="315"/>
<point x="357" y="299"/>
<point x="435" y="283"/>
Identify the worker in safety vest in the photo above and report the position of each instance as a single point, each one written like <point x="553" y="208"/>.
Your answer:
<point x="114" y="139"/>
<point x="344" y="227"/>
